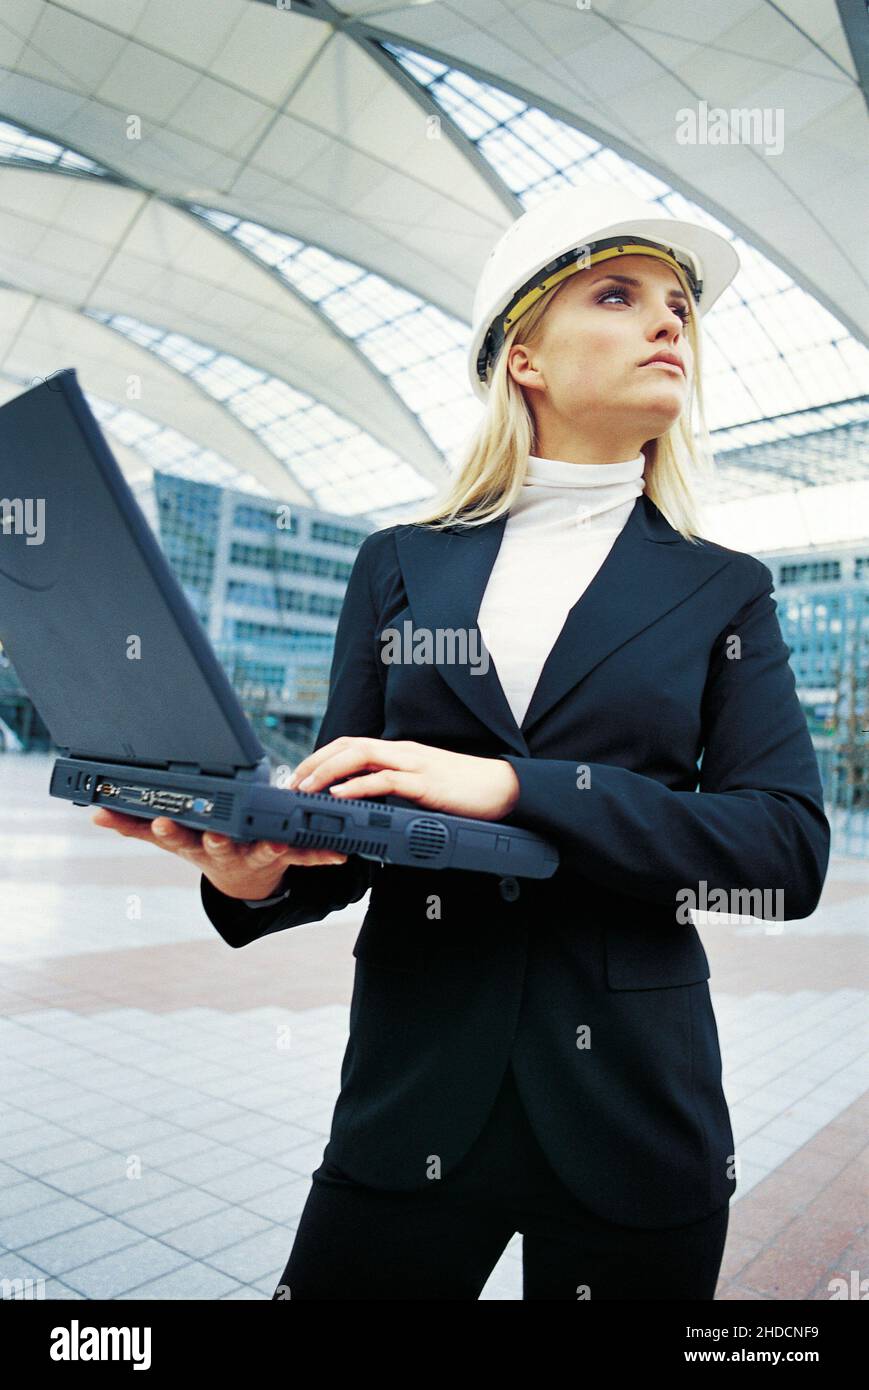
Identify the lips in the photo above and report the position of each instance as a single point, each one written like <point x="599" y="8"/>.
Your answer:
<point x="666" y="359"/>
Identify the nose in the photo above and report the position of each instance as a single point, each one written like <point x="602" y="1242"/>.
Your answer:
<point x="669" y="325"/>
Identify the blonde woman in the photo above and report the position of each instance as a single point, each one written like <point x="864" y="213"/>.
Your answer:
<point x="542" y="1056"/>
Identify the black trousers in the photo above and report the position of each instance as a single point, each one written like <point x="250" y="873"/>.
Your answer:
<point x="356" y="1242"/>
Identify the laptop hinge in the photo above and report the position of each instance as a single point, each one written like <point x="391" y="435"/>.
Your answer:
<point x="258" y="772"/>
<point x="197" y="770"/>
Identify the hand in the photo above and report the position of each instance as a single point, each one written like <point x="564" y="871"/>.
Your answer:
<point x="485" y="788"/>
<point x="241" y="870"/>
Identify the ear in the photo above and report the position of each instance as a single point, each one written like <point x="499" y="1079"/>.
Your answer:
<point x="521" y="368"/>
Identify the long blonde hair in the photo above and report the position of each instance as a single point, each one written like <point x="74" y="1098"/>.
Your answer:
<point x="490" y="475"/>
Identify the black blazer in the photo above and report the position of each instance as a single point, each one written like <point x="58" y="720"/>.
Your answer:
<point x="588" y="982"/>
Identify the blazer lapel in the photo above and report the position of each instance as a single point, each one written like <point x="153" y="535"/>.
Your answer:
<point x="649" y="570"/>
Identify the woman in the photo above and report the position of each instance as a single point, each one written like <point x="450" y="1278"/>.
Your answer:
<point x="542" y="1056"/>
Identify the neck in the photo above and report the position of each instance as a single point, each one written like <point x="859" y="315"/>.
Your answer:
<point x="570" y="449"/>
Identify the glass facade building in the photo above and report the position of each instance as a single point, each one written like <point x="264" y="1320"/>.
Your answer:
<point x="822" y="599"/>
<point x="267" y="581"/>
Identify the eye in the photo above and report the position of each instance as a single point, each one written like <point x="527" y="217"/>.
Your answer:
<point x="680" y="310"/>
<point x="609" y="294"/>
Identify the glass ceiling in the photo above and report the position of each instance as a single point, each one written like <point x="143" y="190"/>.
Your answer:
<point x="774" y="357"/>
<point x="770" y="348"/>
<point x="417" y="347"/>
<point x="19" y="146"/>
<point x="163" y="448"/>
<point x="343" y="467"/>
<point x="169" y="451"/>
<point x="829" y="444"/>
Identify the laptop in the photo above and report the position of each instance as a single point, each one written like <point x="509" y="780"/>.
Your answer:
<point x="121" y="670"/>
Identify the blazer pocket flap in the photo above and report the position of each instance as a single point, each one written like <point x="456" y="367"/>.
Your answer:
<point x="654" y="956"/>
<point x="388" y="938"/>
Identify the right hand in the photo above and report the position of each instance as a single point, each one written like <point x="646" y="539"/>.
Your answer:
<point x="239" y="869"/>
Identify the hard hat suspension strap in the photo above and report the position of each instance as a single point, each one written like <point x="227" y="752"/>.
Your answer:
<point x="568" y="263"/>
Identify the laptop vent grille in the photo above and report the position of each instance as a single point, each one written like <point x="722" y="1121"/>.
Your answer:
<point x="312" y="839"/>
<point x="427" y="838"/>
<point x="222" y="806"/>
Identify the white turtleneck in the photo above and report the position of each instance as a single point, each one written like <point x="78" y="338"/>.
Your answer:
<point x="560" y="530"/>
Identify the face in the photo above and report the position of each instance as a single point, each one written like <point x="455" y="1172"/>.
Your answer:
<point x="591" y="398"/>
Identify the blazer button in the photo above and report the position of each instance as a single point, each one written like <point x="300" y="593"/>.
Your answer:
<point x="509" y="889"/>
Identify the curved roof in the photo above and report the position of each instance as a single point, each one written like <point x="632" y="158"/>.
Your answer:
<point x="275" y="217"/>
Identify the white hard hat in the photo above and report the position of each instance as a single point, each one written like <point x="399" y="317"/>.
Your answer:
<point x="570" y="230"/>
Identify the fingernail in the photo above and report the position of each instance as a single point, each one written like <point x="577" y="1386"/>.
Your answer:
<point x="160" y="829"/>
<point x="307" y="780"/>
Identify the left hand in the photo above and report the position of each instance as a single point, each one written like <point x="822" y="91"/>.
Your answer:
<point x="484" y="788"/>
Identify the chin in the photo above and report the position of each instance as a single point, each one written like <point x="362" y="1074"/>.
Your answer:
<point x="657" y="422"/>
<point x="665" y="398"/>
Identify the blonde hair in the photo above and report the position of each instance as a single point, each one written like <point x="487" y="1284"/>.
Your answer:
<point x="490" y="475"/>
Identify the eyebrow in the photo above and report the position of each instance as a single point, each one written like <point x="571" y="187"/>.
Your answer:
<point x="637" y="285"/>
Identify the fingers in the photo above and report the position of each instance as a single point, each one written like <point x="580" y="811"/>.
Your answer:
<point x="208" y="847"/>
<point x="307" y="765"/>
<point x="132" y="827"/>
<point x="161" y="831"/>
<point x="218" y="847"/>
<point x="177" y="838"/>
<point x="290" y="854"/>
<point x="263" y="853"/>
<point x="338" y="759"/>
<point x="385" y="783"/>
<point x="114" y="820"/>
<point x="352" y="752"/>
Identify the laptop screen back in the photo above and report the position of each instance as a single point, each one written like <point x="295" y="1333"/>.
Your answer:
<point x="98" y="628"/>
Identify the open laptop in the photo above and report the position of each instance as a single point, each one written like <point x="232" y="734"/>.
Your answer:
<point x="120" y="668"/>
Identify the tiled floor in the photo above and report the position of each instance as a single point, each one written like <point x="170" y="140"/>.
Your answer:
<point x="164" y="1099"/>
